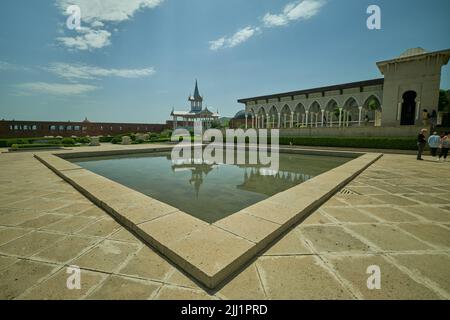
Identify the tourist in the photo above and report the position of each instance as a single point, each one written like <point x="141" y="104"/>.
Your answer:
<point x="445" y="145"/>
<point x="421" y="143"/>
<point x="434" y="141"/>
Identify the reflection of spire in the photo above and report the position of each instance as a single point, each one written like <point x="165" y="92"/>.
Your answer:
<point x="198" y="169"/>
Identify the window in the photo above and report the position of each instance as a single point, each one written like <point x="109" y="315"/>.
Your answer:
<point x="101" y="128"/>
<point x="25" y="127"/>
<point x="53" y="128"/>
<point x="11" y="128"/>
<point x="34" y="127"/>
<point x="61" y="128"/>
<point x="77" y="128"/>
<point x="69" y="128"/>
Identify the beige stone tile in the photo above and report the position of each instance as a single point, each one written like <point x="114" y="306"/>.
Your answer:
<point x="389" y="214"/>
<point x="40" y="204"/>
<point x="55" y="288"/>
<point x="147" y="264"/>
<point x="394" y="283"/>
<point x="430" y="213"/>
<point x="108" y="256"/>
<point x="10" y="233"/>
<point x="20" y="276"/>
<point x="93" y="212"/>
<point x="349" y="215"/>
<point x="122" y="288"/>
<point x="30" y="243"/>
<point x="101" y="228"/>
<point x="426" y="198"/>
<point x="431" y="233"/>
<point x="5" y="261"/>
<point x="178" y="278"/>
<point x="365" y="190"/>
<point x="245" y="286"/>
<point x="276" y="211"/>
<point x="297" y="278"/>
<point x="359" y="200"/>
<point x="17" y="217"/>
<point x="75" y="208"/>
<point x="42" y="221"/>
<point x="334" y="202"/>
<point x="435" y="267"/>
<point x="388" y="237"/>
<point x="124" y="235"/>
<point x="316" y="218"/>
<point x="170" y="228"/>
<point x="289" y="244"/>
<point x="70" y="225"/>
<point x="249" y="227"/>
<point x="332" y="239"/>
<point x="66" y="249"/>
<point x="168" y="292"/>
<point x="395" y="200"/>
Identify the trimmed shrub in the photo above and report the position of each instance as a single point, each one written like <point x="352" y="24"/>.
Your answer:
<point x="352" y="142"/>
<point x="106" y="139"/>
<point x="68" y="141"/>
<point x="83" y="140"/>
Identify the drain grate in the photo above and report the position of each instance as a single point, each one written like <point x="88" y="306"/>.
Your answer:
<point x="347" y="191"/>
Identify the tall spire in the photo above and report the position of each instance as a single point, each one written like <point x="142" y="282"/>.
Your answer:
<point x="196" y="92"/>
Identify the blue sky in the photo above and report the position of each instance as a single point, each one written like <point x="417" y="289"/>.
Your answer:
<point x="132" y="61"/>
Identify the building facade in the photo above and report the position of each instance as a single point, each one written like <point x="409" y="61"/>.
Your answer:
<point x="29" y="129"/>
<point x="408" y="91"/>
<point x="186" y="119"/>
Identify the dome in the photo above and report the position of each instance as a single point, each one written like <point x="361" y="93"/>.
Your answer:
<point x="413" y="52"/>
<point x="240" y="115"/>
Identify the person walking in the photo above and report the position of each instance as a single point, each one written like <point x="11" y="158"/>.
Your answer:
<point x="445" y="145"/>
<point x="434" y="141"/>
<point x="421" y="143"/>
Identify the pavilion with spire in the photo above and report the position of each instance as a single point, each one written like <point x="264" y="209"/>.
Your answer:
<point x="186" y="119"/>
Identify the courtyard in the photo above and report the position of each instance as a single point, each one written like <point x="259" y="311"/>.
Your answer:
<point x="395" y="215"/>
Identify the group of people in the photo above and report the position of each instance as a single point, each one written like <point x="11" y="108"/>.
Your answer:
<point x="439" y="145"/>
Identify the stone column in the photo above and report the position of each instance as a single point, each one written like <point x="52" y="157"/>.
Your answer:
<point x="175" y="122"/>
<point x="306" y="117"/>
<point x="292" y="120"/>
<point x="279" y="120"/>
<point x="340" y="117"/>
<point x="360" y="116"/>
<point x="323" y="115"/>
<point x="284" y="120"/>
<point x="246" y="125"/>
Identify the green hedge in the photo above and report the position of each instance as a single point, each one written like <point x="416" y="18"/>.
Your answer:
<point x="35" y="145"/>
<point x="352" y="142"/>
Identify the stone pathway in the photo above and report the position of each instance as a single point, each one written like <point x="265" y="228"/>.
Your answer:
<point x="396" y="215"/>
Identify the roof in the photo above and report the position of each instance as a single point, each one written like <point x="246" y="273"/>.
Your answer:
<point x="413" y="54"/>
<point x="315" y="90"/>
<point x="196" y="96"/>
<point x="204" y="112"/>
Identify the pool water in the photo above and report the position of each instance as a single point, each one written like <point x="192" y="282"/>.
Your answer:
<point x="208" y="192"/>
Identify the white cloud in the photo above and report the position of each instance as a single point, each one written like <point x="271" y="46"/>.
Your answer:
<point x="82" y="71"/>
<point x="236" y="39"/>
<point x="59" y="89"/>
<point x="108" y="10"/>
<point x="96" y="17"/>
<point x="89" y="40"/>
<point x="299" y="10"/>
<point x="6" y="66"/>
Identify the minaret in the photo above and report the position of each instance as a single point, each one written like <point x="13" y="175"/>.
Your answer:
<point x="196" y="100"/>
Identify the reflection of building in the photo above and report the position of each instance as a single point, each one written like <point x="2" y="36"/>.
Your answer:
<point x="410" y="85"/>
<point x="278" y="182"/>
<point x="186" y="119"/>
<point x="198" y="172"/>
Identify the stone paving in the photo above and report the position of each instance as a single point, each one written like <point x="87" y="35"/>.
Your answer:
<point x="395" y="215"/>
